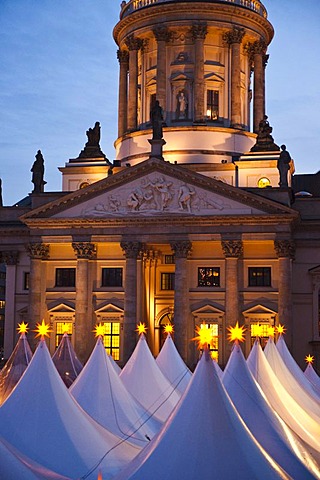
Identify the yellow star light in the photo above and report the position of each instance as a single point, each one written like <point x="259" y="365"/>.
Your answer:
<point x="22" y="328"/>
<point x="236" y="333"/>
<point x="256" y="330"/>
<point x="141" y="328"/>
<point x="309" y="359"/>
<point x="281" y="329"/>
<point x="271" y="331"/>
<point x="168" y="328"/>
<point x="99" y="330"/>
<point x="204" y="336"/>
<point x="42" y="330"/>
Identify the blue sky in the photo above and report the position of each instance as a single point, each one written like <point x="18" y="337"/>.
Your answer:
<point x="59" y="75"/>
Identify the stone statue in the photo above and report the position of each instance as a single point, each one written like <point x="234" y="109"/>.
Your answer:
<point x="92" y="147"/>
<point x="38" y="174"/>
<point x="157" y="121"/>
<point x="182" y="105"/>
<point x="283" y="166"/>
<point x="264" y="142"/>
<point x="93" y="135"/>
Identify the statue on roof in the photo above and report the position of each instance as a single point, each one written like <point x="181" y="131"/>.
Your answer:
<point x="38" y="173"/>
<point x="93" y="135"/>
<point x="157" y="121"/>
<point x="264" y="141"/>
<point x="283" y="166"/>
<point x="92" y="147"/>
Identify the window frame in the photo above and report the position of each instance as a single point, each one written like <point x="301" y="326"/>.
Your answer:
<point x="265" y="283"/>
<point x="115" y="285"/>
<point x="63" y="283"/>
<point x="170" y="282"/>
<point x="217" y="270"/>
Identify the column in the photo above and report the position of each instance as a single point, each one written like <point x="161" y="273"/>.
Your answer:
<point x="123" y="57"/>
<point x="181" y="296"/>
<point x="285" y="250"/>
<point x="10" y="259"/>
<point x="84" y="251"/>
<point x="131" y="251"/>
<point x="162" y="35"/>
<point x="258" y="50"/>
<point x="265" y="59"/>
<point x="234" y="39"/>
<point x="233" y="250"/>
<point x="133" y="45"/>
<point x="38" y="252"/>
<point x="199" y="32"/>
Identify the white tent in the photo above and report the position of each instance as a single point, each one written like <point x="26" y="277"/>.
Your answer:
<point x="14" y="367"/>
<point x="15" y="466"/>
<point x="114" y="364"/>
<point x="42" y="420"/>
<point x="313" y="377"/>
<point x="145" y="381"/>
<point x="264" y="424"/>
<point x="290" y="383"/>
<point x="294" y="369"/>
<point x="204" y="438"/>
<point x="101" y="393"/>
<point x="281" y="401"/>
<point x="218" y="369"/>
<point x="66" y="361"/>
<point x="172" y="365"/>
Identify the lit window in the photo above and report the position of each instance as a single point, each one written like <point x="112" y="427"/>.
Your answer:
<point x="259" y="276"/>
<point x="214" y="344"/>
<point x="208" y="277"/>
<point x="264" y="182"/>
<point x="61" y="329"/>
<point x="260" y="330"/>
<point x="167" y="281"/>
<point x="65" y="277"/>
<point x="111" y="277"/>
<point x="213" y="104"/>
<point x="111" y="339"/>
<point x="84" y="185"/>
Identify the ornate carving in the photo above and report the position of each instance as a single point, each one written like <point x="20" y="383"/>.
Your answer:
<point x="123" y="56"/>
<point x="132" y="249"/>
<point x="10" y="258"/>
<point x="259" y="47"/>
<point x="86" y="250"/>
<point x="233" y="36"/>
<point x="199" y="30"/>
<point x="232" y="248"/>
<point x="285" y="248"/>
<point x="133" y="43"/>
<point x="264" y="141"/>
<point x="38" y="250"/>
<point x="184" y="197"/>
<point x="181" y="248"/>
<point x="162" y="34"/>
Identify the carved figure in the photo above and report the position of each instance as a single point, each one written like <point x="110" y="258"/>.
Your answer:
<point x="283" y="166"/>
<point x="182" y="105"/>
<point x="184" y="197"/>
<point x="93" y="135"/>
<point x="157" y="121"/>
<point x="38" y="173"/>
<point x="114" y="203"/>
<point x="165" y="194"/>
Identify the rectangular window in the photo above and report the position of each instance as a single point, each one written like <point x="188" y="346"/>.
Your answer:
<point x="111" y="277"/>
<point x="259" y="276"/>
<point x="111" y="339"/>
<point x="167" y="281"/>
<point x="26" y="278"/>
<point x="260" y="330"/>
<point x="208" y="277"/>
<point x="169" y="259"/>
<point x="214" y="342"/>
<point x="213" y="104"/>
<point x="65" y="277"/>
<point x="61" y="329"/>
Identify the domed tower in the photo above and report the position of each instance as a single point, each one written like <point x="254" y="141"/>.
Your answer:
<point x="196" y="58"/>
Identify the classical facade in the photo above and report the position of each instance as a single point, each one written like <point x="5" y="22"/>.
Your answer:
<point x="199" y="235"/>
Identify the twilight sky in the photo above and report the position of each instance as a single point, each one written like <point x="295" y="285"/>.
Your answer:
<point x="59" y="75"/>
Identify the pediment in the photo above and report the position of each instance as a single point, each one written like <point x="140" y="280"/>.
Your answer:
<point x="156" y="188"/>
<point x="259" y="310"/>
<point x="109" y="308"/>
<point x="206" y="310"/>
<point x="61" y="307"/>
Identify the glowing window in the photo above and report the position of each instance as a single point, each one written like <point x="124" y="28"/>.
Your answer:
<point x="167" y="281"/>
<point x="208" y="277"/>
<point x="111" y="339"/>
<point x="212" y="104"/>
<point x="84" y="185"/>
<point x="259" y="276"/>
<point x="264" y="182"/>
<point x="61" y="329"/>
<point x="260" y="330"/>
<point x="214" y="344"/>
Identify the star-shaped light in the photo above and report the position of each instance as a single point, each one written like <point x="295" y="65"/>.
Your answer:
<point x="256" y="330"/>
<point x="236" y="333"/>
<point x="42" y="329"/>
<point x="22" y="327"/>
<point x="281" y="329"/>
<point x="204" y="336"/>
<point x="99" y="330"/>
<point x="168" y="328"/>
<point x="271" y="331"/>
<point x="65" y="328"/>
<point x="141" y="328"/>
<point x="309" y="359"/>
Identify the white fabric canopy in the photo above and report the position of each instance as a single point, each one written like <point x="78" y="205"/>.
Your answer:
<point x="101" y="393"/>
<point x="172" y="365"/>
<point x="204" y="438"/>
<point x="313" y="377"/>
<point x="66" y="361"/>
<point x="145" y="381"/>
<point x="42" y="420"/>
<point x="265" y="425"/>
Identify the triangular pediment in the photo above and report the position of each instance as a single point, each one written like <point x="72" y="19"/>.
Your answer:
<point x="259" y="310"/>
<point x="155" y="188"/>
<point x="206" y="310"/>
<point x="61" y="307"/>
<point x="109" y="308"/>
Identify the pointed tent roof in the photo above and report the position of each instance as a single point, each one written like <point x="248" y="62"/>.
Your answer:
<point x="281" y="401"/>
<point x="116" y="367"/>
<point x="290" y="383"/>
<point x="14" y="367"/>
<point x="272" y="434"/>
<point x="294" y="368"/>
<point x="66" y="361"/>
<point x="172" y="365"/>
<point x="203" y="437"/>
<point x="313" y="377"/>
<point x="101" y="393"/>
<point x="145" y="381"/>
<point x="44" y="422"/>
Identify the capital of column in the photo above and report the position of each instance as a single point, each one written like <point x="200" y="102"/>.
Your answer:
<point x="233" y="36"/>
<point x="181" y="248"/>
<point x="285" y="248"/>
<point x="38" y="250"/>
<point x="131" y="249"/>
<point x="199" y="31"/>
<point x="162" y="34"/>
<point x="123" y="56"/>
<point x="133" y="43"/>
<point x="10" y="257"/>
<point x="86" y="250"/>
<point x="232" y="248"/>
<point x="259" y="47"/>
